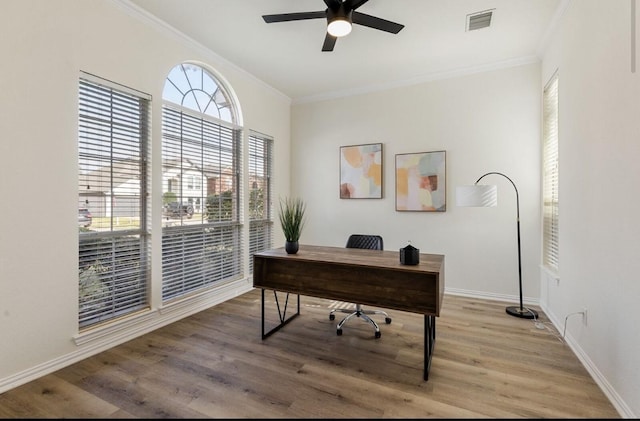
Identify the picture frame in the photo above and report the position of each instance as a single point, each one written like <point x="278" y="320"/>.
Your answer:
<point x="361" y="171"/>
<point x="421" y="182"/>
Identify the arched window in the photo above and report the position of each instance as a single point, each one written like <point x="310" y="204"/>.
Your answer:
<point x="201" y="231"/>
<point x="193" y="87"/>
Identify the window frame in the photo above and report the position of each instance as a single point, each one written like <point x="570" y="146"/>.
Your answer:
<point x="113" y="151"/>
<point x="550" y="175"/>
<point x="261" y="221"/>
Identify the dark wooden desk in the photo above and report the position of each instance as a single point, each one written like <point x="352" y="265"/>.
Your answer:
<point x="369" y="277"/>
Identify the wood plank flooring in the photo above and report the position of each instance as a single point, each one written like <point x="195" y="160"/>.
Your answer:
<point x="486" y="364"/>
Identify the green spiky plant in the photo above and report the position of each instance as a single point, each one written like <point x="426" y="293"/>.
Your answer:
<point x="292" y="217"/>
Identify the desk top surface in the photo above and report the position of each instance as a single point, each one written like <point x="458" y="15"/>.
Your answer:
<point x="371" y="277"/>
<point x="387" y="259"/>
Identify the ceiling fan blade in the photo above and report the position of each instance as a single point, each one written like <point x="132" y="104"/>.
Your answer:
<point x="285" y="17"/>
<point x="376" y="23"/>
<point x="329" y="42"/>
<point x="354" y="4"/>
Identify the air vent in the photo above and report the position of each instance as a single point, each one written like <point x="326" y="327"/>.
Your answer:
<point x="479" y="20"/>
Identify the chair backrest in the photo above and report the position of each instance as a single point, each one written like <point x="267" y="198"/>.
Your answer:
<point x="365" y="241"/>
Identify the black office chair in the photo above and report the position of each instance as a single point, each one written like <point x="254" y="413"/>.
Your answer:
<point x="361" y="241"/>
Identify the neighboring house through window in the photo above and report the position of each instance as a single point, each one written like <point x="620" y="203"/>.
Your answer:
<point x="202" y="187"/>
<point x="113" y="140"/>
<point x="202" y="233"/>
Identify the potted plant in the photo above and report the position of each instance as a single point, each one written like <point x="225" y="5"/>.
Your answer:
<point x="292" y="220"/>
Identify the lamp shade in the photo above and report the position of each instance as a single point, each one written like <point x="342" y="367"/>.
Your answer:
<point x="477" y="195"/>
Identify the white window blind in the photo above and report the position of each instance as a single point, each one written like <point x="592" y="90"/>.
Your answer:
<point x="205" y="247"/>
<point x="550" y="175"/>
<point x="201" y="234"/>
<point x="260" y="203"/>
<point x="113" y="138"/>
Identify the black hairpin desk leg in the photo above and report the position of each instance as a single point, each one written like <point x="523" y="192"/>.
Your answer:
<point x="429" y="342"/>
<point x="282" y="313"/>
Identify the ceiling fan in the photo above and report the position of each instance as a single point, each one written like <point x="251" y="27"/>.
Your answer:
<point x="340" y="15"/>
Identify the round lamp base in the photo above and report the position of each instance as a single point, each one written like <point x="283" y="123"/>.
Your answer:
<point x="523" y="313"/>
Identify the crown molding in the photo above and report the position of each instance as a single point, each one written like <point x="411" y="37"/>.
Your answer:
<point x="135" y="11"/>
<point x="553" y="26"/>
<point x="138" y="13"/>
<point x="449" y="74"/>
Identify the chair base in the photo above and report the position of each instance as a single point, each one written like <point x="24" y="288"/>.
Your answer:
<point x="359" y="312"/>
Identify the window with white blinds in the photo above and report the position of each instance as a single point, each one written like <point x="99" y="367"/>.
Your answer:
<point x="550" y="175"/>
<point x="201" y="233"/>
<point x="113" y="140"/>
<point x="260" y="204"/>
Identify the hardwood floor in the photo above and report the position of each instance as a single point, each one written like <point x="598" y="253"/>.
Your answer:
<point x="215" y="365"/>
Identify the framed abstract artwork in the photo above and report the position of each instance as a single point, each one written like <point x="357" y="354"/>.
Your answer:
<point x="361" y="171"/>
<point x="421" y="182"/>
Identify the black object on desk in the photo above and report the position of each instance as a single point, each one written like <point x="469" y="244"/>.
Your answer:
<point x="409" y="255"/>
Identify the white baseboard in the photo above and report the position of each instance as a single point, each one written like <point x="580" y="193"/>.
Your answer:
<point x="490" y="296"/>
<point x="97" y="340"/>
<point x="615" y="399"/>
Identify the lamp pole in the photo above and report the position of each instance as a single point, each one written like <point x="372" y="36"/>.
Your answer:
<point x="521" y="311"/>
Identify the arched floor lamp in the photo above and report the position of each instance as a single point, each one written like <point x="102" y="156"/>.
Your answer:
<point x="483" y="195"/>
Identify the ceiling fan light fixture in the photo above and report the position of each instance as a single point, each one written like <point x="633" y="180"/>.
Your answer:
<point x="339" y="21"/>
<point x="339" y="27"/>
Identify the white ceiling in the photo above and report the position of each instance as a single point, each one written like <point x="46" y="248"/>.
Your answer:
<point x="434" y="42"/>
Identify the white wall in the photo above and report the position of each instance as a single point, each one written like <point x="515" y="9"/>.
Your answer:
<point x="491" y="122"/>
<point x="599" y="124"/>
<point x="44" y="46"/>
<point x="485" y="122"/>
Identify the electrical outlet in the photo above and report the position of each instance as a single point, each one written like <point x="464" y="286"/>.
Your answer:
<point x="584" y="316"/>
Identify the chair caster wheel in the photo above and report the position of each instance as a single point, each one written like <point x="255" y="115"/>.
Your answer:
<point x="332" y="317"/>
<point x="378" y="334"/>
<point x="387" y="320"/>
<point x="339" y="332"/>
